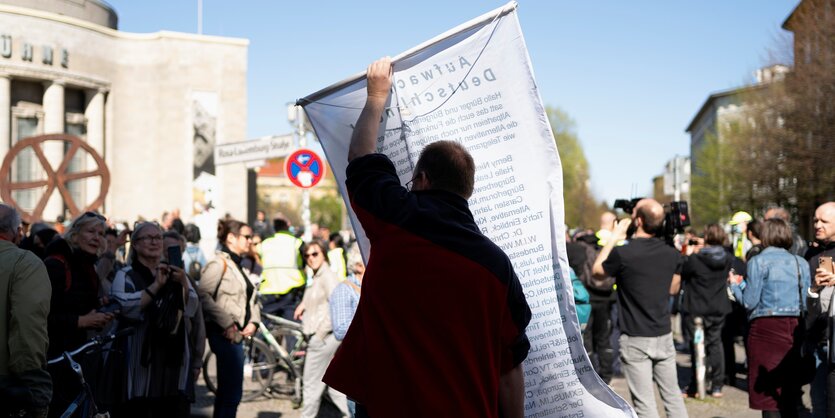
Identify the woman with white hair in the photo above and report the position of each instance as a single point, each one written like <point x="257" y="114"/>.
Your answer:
<point x="155" y="299"/>
<point x="70" y="262"/>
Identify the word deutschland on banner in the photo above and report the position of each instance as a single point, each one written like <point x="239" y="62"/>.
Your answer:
<point x="474" y="84"/>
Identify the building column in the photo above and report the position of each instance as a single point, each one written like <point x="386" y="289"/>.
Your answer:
<point x="53" y="123"/>
<point x="5" y="115"/>
<point x="109" y="141"/>
<point x="94" y="113"/>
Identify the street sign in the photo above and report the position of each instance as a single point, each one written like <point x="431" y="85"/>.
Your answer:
<point x="304" y="168"/>
<point x="263" y="148"/>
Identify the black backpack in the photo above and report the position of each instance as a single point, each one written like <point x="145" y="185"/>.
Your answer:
<point x="194" y="270"/>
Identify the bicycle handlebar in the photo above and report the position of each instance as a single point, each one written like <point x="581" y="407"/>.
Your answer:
<point x="93" y="342"/>
<point x="282" y="322"/>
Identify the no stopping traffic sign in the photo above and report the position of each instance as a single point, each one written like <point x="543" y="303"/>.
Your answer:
<point x="304" y="168"/>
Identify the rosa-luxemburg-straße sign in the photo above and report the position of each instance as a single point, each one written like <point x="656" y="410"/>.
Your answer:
<point x="263" y="148"/>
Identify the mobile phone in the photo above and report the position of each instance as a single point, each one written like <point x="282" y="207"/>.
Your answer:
<point x="175" y="256"/>
<point x="825" y="262"/>
<point x="111" y="307"/>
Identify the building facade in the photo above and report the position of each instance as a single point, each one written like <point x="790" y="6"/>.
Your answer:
<point x="153" y="106"/>
<point x="724" y="109"/>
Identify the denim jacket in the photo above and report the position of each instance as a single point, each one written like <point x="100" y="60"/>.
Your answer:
<point x="771" y="288"/>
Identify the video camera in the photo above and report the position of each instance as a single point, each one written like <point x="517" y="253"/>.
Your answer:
<point x="676" y="217"/>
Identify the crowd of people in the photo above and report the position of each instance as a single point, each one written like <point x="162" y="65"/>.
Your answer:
<point x="63" y="284"/>
<point x="752" y="279"/>
<point x="92" y="279"/>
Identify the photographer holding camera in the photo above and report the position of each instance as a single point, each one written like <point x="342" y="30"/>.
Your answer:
<point x="646" y="272"/>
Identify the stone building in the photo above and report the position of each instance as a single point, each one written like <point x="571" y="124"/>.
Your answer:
<point x="152" y="105"/>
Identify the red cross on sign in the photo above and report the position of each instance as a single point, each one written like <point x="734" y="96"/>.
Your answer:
<point x="304" y="168"/>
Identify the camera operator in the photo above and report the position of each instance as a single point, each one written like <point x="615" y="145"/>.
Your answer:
<point x="646" y="272"/>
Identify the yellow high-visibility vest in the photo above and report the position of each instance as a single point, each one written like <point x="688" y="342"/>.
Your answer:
<point x="281" y="258"/>
<point x="336" y="259"/>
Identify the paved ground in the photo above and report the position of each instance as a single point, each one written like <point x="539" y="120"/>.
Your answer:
<point x="734" y="404"/>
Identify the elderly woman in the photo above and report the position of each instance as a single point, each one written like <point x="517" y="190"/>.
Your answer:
<point x="316" y="321"/>
<point x="155" y="298"/>
<point x="70" y="263"/>
<point x="774" y="294"/>
<point x="231" y="311"/>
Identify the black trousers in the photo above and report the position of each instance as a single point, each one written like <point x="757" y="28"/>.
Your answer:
<point x="736" y="324"/>
<point x="597" y="338"/>
<point x="714" y="352"/>
<point x="361" y="412"/>
<point x="284" y="306"/>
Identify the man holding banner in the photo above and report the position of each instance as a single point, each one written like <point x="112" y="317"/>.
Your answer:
<point x="403" y="356"/>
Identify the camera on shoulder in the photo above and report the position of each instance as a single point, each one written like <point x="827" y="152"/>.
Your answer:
<point x="676" y="217"/>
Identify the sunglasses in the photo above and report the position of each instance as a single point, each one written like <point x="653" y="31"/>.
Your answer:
<point x="409" y="184"/>
<point x="89" y="214"/>
<point x="141" y="224"/>
<point x="312" y="255"/>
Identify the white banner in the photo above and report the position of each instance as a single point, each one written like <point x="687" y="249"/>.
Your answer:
<point x="474" y="84"/>
<point x="253" y="150"/>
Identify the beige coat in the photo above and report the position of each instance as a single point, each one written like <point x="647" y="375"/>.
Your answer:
<point x="317" y="311"/>
<point x="229" y="307"/>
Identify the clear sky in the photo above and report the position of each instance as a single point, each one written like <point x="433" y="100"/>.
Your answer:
<point x="631" y="74"/>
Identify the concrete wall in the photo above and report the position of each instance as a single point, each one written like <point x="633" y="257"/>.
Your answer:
<point x="149" y="82"/>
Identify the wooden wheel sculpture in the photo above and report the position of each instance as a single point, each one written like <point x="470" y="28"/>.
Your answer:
<point x="55" y="178"/>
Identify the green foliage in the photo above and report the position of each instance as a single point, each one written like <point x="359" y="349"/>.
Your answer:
<point x="581" y="209"/>
<point x="710" y="182"/>
<point x="327" y="211"/>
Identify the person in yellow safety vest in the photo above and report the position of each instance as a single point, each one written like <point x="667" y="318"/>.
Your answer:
<point x="336" y="256"/>
<point x="739" y="224"/>
<point x="283" y="279"/>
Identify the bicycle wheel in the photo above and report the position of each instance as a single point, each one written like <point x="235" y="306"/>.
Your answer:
<point x="259" y="362"/>
<point x="287" y="379"/>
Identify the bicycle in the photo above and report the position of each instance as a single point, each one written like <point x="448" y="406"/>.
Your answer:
<point x="268" y="366"/>
<point x="85" y="402"/>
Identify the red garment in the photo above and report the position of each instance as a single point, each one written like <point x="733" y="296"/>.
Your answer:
<point x="772" y="363"/>
<point x="442" y="315"/>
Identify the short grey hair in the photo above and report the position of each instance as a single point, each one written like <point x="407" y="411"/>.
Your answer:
<point x="9" y="219"/>
<point x="354" y="257"/>
<point x="136" y="229"/>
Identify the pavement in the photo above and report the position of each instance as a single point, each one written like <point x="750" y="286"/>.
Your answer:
<point x="734" y="403"/>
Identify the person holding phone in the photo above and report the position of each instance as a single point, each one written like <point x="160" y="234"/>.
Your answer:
<point x="231" y="311"/>
<point x="820" y="309"/>
<point x="155" y="298"/>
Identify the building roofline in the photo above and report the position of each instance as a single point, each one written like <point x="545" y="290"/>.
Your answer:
<point x="786" y="23"/>
<point x="23" y="11"/>
<point x="720" y="94"/>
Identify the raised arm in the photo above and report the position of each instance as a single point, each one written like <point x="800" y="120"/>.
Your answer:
<point x="364" y="138"/>
<point x="619" y="234"/>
